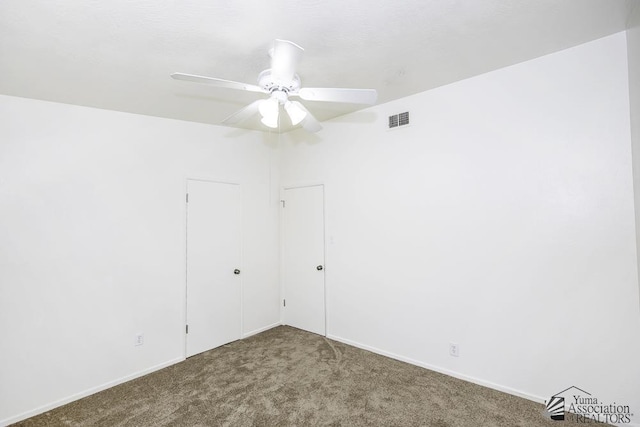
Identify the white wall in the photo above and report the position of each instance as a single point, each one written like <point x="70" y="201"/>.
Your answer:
<point x="633" y="52"/>
<point x="92" y="243"/>
<point x="501" y="219"/>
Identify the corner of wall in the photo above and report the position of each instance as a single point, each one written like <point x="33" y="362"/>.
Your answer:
<point x="633" y="59"/>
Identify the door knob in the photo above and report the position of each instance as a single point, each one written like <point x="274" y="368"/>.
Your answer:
<point x="236" y="271"/>
<point x="319" y="268"/>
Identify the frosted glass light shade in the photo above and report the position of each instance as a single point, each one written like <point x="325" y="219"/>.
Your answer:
<point x="296" y="113"/>
<point x="270" y="110"/>
<point x="271" y="121"/>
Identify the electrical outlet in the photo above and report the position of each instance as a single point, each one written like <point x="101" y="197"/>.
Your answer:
<point x="454" y="350"/>
<point x="138" y="340"/>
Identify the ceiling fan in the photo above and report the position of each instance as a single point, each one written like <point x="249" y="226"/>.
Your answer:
<point x="281" y="82"/>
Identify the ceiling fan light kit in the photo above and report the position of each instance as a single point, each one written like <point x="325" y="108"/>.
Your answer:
<point x="281" y="82"/>
<point x="296" y="114"/>
<point x="270" y="111"/>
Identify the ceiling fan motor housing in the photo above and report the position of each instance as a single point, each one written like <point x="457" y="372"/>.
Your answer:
<point x="271" y="84"/>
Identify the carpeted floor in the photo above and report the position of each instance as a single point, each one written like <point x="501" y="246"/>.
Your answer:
<point x="288" y="377"/>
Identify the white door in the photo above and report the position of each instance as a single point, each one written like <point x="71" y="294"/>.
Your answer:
<point x="213" y="265"/>
<point x="303" y="258"/>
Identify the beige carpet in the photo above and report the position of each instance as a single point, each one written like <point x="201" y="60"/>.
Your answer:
<point x="287" y="377"/>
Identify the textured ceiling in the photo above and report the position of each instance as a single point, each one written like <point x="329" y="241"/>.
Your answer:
<point x="118" y="54"/>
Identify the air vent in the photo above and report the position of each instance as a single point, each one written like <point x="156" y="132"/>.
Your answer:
<point x="403" y="118"/>
<point x="397" y="120"/>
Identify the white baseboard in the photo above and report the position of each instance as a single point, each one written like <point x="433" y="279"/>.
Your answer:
<point x="454" y="374"/>
<point x="88" y="392"/>
<point x="257" y="331"/>
<point x="124" y="379"/>
<point x="85" y="393"/>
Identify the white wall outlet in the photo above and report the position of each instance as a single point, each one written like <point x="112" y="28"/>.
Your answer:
<point x="138" y="340"/>
<point x="454" y="350"/>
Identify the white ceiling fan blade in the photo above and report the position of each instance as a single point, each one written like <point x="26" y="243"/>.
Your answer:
<point x="310" y="123"/>
<point x="243" y="114"/>
<point x="351" y="96"/>
<point x="228" y="84"/>
<point x="284" y="59"/>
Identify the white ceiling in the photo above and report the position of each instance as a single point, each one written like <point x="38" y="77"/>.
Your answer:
<point x="118" y="54"/>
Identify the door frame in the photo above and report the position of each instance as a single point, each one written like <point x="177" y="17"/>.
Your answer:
<point x="184" y="225"/>
<point x="304" y="184"/>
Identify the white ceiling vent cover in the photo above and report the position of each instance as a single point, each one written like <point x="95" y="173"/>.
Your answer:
<point x="399" y="120"/>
